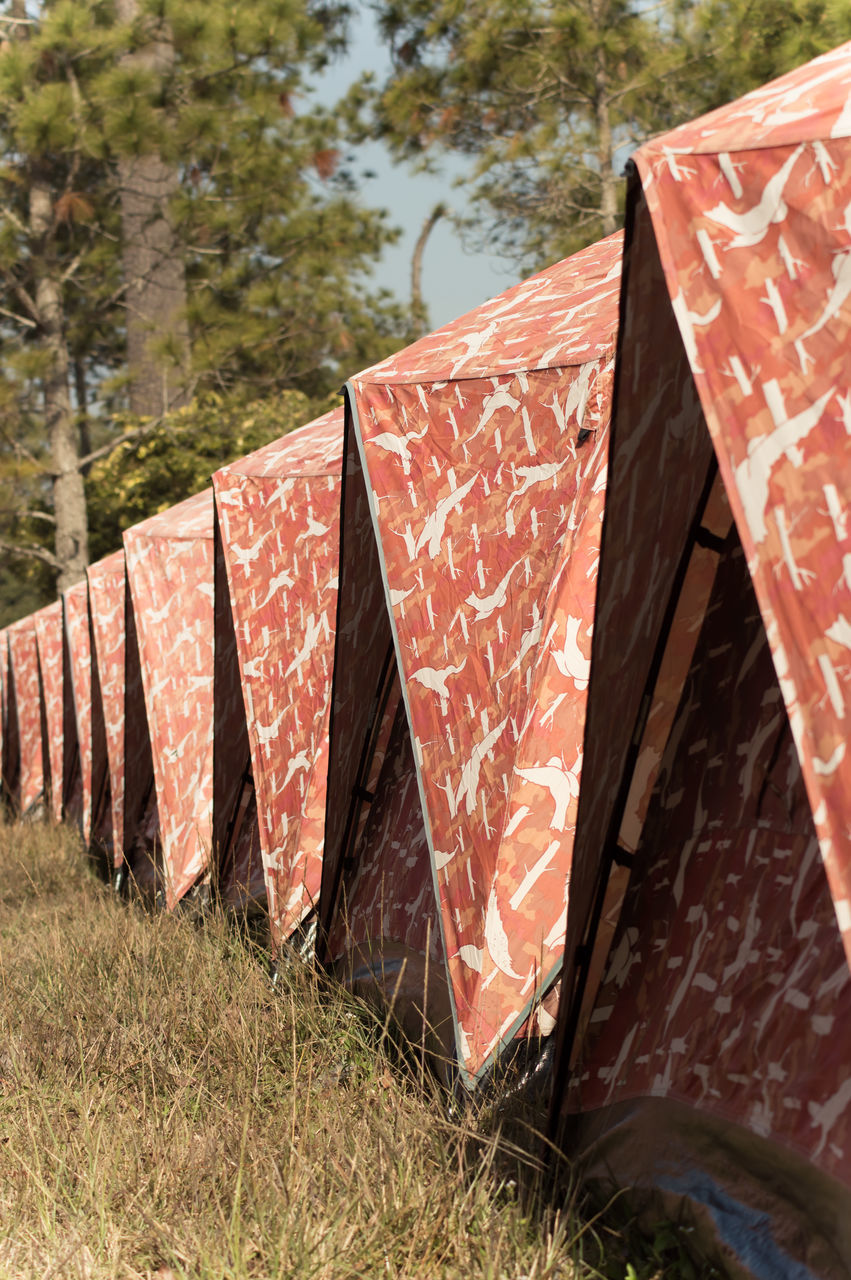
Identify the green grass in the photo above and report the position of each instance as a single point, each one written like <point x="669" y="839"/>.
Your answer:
<point x="165" y="1113"/>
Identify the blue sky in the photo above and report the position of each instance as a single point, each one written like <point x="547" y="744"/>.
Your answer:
<point x="454" y="281"/>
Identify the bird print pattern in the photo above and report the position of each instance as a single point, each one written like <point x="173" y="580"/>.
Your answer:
<point x="170" y="572"/>
<point x="279" y="517"/>
<point x="106" y="595"/>
<point x="488" y="511"/>
<point x="48" y="631"/>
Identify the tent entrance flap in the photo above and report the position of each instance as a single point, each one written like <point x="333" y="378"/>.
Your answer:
<point x="727" y="986"/>
<point x="614" y="852"/>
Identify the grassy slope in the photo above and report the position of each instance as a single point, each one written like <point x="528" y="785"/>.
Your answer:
<point x="164" y="1113"/>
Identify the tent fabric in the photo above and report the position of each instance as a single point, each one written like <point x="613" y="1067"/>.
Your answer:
<point x="106" y="600"/>
<point x="757" y="257"/>
<point x="483" y="449"/>
<point x="23" y="745"/>
<point x="141" y="847"/>
<point x="48" y="630"/>
<point x="76" y="614"/>
<point x="716" y="1028"/>
<point x="170" y="574"/>
<point x="278" y="516"/>
<point x="238" y="876"/>
<point x="79" y="690"/>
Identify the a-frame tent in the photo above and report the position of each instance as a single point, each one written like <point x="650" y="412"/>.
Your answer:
<point x="472" y="503"/>
<point x="170" y="575"/>
<point x="23" y="743"/>
<point x="714" y="1064"/>
<point x="277" y="556"/>
<point x="84" y="695"/>
<point x="106" y="580"/>
<point x="48" y="631"/>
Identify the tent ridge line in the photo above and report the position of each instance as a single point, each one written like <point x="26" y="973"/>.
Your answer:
<point x="417" y="380"/>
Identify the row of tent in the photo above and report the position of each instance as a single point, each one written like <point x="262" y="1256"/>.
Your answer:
<point x="526" y="677"/>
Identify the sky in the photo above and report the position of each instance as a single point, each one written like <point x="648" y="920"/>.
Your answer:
<point x="454" y="281"/>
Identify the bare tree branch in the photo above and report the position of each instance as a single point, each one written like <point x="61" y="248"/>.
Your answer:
<point x="30" y="553"/>
<point x="419" y="314"/>
<point x="135" y="433"/>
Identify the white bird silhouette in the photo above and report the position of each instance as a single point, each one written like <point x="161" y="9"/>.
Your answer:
<point x="751" y="227"/>
<point x="398" y="445"/>
<point x="253" y="668"/>
<point x="688" y="321"/>
<point x="314" y="529"/>
<point x="530" y="638"/>
<point x="472" y="956"/>
<point x="397" y="596"/>
<point x="435" y="678"/>
<point x="266" y="732"/>
<point x="474" y="343"/>
<point x="296" y="764"/>
<point x="501" y="399"/>
<point x="570" y="659"/>
<point x="247" y="555"/>
<point x="838" y="294"/>
<point x="486" y="605"/>
<point x="497" y="940"/>
<point x="158" y="615"/>
<point x="312" y="630"/>
<point x="752" y="475"/>
<point x="469" y="784"/>
<point x="281" y="581"/>
<point x="536" y="475"/>
<point x="840" y="631"/>
<point x="561" y="783"/>
<point x="435" y="525"/>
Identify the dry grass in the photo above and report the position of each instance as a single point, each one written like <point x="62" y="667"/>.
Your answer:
<point x="164" y="1112"/>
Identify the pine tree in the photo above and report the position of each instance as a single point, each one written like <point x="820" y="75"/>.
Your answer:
<point x="175" y="213"/>
<point x="545" y="99"/>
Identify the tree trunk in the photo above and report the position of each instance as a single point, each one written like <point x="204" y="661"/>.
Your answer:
<point x="605" y="155"/>
<point x="82" y="407"/>
<point x="153" y="263"/>
<point x="419" y="311"/>
<point x="71" y="545"/>
<point x="69" y="498"/>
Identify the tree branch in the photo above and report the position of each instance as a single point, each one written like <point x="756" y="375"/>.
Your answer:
<point x="30" y="553"/>
<point x="135" y="433"/>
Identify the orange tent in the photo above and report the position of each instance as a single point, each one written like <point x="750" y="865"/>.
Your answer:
<point x="106" y="603"/>
<point x="23" y="743"/>
<point x="472" y="502"/>
<point x="711" y="1063"/>
<point x="170" y="575"/>
<point x="276" y="598"/>
<point x="48" y="630"/>
<point x="84" y="694"/>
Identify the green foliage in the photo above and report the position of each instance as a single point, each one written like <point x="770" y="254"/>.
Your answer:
<point x="745" y="43"/>
<point x="545" y="98"/>
<point x="276" y="247"/>
<point x="177" y="458"/>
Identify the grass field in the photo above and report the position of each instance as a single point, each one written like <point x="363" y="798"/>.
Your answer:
<point x="165" y="1113"/>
